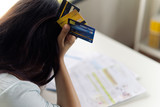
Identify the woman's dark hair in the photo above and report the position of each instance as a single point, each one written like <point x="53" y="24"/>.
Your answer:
<point x="28" y="41"/>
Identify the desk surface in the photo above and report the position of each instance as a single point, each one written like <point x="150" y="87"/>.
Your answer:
<point x="147" y="69"/>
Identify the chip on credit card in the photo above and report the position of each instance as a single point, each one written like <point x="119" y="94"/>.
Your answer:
<point x="82" y="31"/>
<point x="69" y="14"/>
<point x="72" y="15"/>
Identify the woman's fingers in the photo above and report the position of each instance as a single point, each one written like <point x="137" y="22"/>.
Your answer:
<point x="65" y="40"/>
<point x="70" y="39"/>
<point x="63" y="33"/>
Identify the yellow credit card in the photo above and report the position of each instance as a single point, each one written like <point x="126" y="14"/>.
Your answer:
<point x="74" y="15"/>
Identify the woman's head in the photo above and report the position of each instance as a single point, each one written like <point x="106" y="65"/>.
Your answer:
<point x="28" y="40"/>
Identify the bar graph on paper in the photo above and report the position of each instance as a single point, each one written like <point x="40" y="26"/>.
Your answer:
<point x="102" y="82"/>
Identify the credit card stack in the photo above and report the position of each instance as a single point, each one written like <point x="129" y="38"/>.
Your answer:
<point x="69" y="14"/>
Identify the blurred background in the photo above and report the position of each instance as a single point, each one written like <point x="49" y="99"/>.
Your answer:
<point x="134" y="23"/>
<point x="127" y="21"/>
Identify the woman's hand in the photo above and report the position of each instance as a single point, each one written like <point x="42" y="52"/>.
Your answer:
<point x="66" y="94"/>
<point x="65" y="40"/>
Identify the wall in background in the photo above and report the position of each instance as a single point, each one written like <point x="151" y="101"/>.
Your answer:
<point x="115" y="18"/>
<point x="118" y="18"/>
<point x="155" y="7"/>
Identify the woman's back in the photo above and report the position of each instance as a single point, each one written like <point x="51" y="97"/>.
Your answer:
<point x="17" y="93"/>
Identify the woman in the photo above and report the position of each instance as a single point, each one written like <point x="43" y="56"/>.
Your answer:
<point x="31" y="46"/>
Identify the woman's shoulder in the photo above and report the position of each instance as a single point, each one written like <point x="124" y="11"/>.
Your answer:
<point x="9" y="82"/>
<point x="17" y="93"/>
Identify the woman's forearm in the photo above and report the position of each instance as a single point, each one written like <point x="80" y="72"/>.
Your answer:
<point x="66" y="95"/>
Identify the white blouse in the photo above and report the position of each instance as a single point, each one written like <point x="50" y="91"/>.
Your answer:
<point x="18" y="93"/>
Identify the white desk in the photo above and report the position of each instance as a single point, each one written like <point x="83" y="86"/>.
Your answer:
<point x="147" y="69"/>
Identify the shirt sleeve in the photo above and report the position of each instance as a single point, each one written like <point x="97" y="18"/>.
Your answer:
<point x="24" y="94"/>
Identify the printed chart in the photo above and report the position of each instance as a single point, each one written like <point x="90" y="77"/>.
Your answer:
<point x="101" y="82"/>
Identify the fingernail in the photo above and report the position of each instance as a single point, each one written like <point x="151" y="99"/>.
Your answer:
<point x="74" y="38"/>
<point x="66" y="26"/>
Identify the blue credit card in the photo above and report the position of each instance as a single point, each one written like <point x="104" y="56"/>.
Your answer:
<point x="81" y="31"/>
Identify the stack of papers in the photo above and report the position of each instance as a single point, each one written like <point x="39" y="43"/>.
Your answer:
<point x="101" y="81"/>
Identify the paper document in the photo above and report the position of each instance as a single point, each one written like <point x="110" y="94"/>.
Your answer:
<point x="101" y="81"/>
